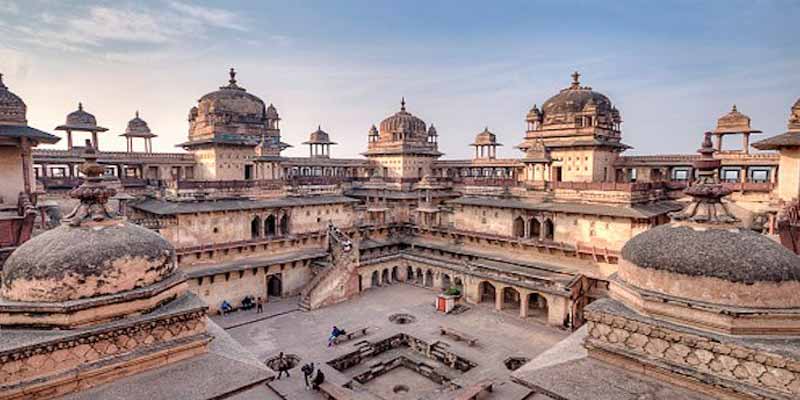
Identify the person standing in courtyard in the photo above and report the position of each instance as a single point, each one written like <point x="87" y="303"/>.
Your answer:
<point x="308" y="371"/>
<point x="259" y="305"/>
<point x="283" y="366"/>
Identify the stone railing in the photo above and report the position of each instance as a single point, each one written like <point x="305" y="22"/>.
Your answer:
<point x="749" y="186"/>
<point x="273" y="184"/>
<point x="488" y="181"/>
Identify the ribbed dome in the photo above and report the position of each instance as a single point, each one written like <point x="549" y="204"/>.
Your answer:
<point x="234" y="101"/>
<point x="403" y="120"/>
<point x="319" y="137"/>
<point x="70" y="263"/>
<point x="575" y="99"/>
<point x="12" y="108"/>
<point x="138" y="127"/>
<point x="81" y="118"/>
<point x="486" y="137"/>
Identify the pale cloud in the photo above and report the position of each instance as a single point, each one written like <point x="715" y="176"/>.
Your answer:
<point x="212" y="16"/>
<point x="115" y="29"/>
<point x="8" y="7"/>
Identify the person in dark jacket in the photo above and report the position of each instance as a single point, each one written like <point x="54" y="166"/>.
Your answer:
<point x="318" y="380"/>
<point x="283" y="366"/>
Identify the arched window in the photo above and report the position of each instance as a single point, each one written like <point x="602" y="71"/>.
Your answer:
<point x="269" y="226"/>
<point x="535" y="229"/>
<point x="255" y="228"/>
<point x="519" y="227"/>
<point x="549" y="229"/>
<point x="285" y="224"/>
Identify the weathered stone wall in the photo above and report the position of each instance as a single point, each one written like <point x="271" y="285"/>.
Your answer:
<point x="789" y="175"/>
<point x="234" y="286"/>
<point x="727" y="364"/>
<point x="77" y="363"/>
<point x="11" y="174"/>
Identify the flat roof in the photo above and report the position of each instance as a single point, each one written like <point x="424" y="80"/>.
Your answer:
<point x="642" y="211"/>
<point x="168" y="207"/>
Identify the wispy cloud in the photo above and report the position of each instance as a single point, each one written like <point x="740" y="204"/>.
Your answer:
<point x="8" y="7"/>
<point x="105" y="28"/>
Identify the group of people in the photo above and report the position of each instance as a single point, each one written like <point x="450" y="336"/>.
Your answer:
<point x="283" y="365"/>
<point x="247" y="303"/>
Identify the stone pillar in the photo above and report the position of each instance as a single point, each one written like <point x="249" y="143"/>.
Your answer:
<point x="523" y="305"/>
<point x="94" y="141"/>
<point x="498" y="298"/>
<point x="719" y="143"/>
<point x="69" y="139"/>
<point x="746" y="143"/>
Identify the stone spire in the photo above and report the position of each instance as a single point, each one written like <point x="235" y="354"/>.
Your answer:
<point x="93" y="194"/>
<point x="403" y="104"/>
<point x="232" y="74"/>
<point x="576" y="83"/>
<point x="706" y="192"/>
<point x="2" y="85"/>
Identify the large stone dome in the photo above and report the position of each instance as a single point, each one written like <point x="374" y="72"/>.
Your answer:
<point x="234" y="101"/>
<point x="12" y="108"/>
<point x="403" y="120"/>
<point x="575" y="99"/>
<point x="71" y="263"/>
<point x="734" y="254"/>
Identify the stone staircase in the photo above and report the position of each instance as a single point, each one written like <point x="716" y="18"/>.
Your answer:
<point x="335" y="279"/>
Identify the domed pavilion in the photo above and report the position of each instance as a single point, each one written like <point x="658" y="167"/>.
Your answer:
<point x="138" y="129"/>
<point x="581" y="128"/>
<point x="87" y="307"/>
<point x="701" y="308"/>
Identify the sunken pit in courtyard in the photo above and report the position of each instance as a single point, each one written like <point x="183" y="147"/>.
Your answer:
<point x="402" y="367"/>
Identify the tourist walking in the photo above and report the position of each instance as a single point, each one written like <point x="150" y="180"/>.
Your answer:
<point x="283" y="366"/>
<point x="259" y="305"/>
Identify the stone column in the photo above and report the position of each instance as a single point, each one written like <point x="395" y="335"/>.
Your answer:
<point x="523" y="305"/>
<point x="719" y="143"/>
<point x="69" y="139"/>
<point x="498" y="298"/>
<point x="746" y="143"/>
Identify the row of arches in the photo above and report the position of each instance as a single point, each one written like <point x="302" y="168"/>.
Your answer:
<point x="534" y="228"/>
<point x="533" y="305"/>
<point x="271" y="226"/>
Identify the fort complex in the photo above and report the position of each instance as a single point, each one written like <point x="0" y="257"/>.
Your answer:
<point x="678" y="274"/>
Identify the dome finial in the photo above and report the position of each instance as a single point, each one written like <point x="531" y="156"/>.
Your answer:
<point x="707" y="192"/>
<point x="93" y="194"/>
<point x="734" y="108"/>
<point x="232" y="74"/>
<point x="2" y="85"/>
<point x="80" y="106"/>
<point x="137" y="113"/>
<point x="403" y="104"/>
<point x="575" y="79"/>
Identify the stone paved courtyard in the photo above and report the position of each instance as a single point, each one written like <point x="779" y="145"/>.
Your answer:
<point x="305" y="334"/>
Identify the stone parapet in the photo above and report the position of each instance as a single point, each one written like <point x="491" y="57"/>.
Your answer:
<point x="748" y="368"/>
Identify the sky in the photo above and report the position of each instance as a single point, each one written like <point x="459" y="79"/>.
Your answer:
<point x="670" y="67"/>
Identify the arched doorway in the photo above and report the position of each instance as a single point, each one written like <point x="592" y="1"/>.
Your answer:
<point x="428" y="278"/>
<point x="549" y="229"/>
<point x="459" y="284"/>
<point x="537" y="306"/>
<point x="269" y="226"/>
<point x="285" y="224"/>
<point x="385" y="277"/>
<point x="409" y="274"/>
<point x="395" y="275"/>
<point x="375" y="282"/>
<point x="487" y="291"/>
<point x="535" y="230"/>
<point x="511" y="299"/>
<point x="255" y="228"/>
<point x="446" y="281"/>
<point x="519" y="227"/>
<point x="420" y="278"/>
<point x="274" y="286"/>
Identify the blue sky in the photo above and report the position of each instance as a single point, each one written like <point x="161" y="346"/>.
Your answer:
<point x="671" y="67"/>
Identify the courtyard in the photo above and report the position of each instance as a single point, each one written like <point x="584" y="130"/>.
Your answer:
<point x="408" y="360"/>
